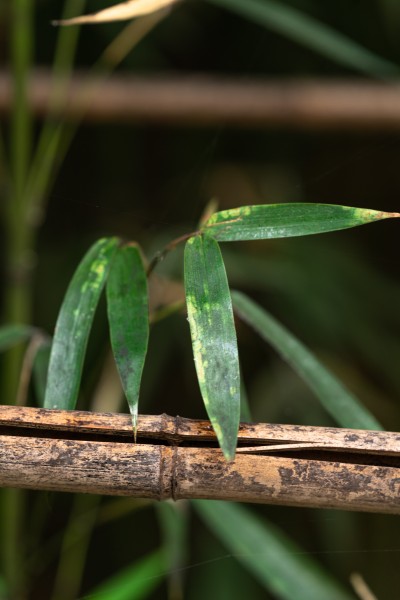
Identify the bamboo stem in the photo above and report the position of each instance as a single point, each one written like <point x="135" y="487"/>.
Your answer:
<point x="306" y="105"/>
<point x="177" y="458"/>
<point x="18" y="262"/>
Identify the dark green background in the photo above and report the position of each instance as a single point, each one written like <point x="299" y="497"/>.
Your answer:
<point x="339" y="293"/>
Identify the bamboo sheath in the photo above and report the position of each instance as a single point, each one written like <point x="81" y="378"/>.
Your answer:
<point x="178" y="458"/>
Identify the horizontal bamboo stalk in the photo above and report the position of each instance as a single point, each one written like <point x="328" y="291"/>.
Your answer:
<point x="205" y="100"/>
<point x="94" y="453"/>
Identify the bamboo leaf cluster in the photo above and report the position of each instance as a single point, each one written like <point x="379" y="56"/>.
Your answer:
<point x="120" y="267"/>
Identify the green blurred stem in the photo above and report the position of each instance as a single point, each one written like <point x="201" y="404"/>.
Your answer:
<point x="17" y="217"/>
<point x="12" y="509"/>
<point x="18" y="244"/>
<point x="21" y="126"/>
<point x="75" y="547"/>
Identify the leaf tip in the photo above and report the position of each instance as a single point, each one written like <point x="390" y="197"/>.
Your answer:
<point x="379" y="215"/>
<point x="134" y="425"/>
<point x="229" y="455"/>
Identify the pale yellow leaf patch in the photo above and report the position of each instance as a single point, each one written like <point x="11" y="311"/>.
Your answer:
<point x="120" y="12"/>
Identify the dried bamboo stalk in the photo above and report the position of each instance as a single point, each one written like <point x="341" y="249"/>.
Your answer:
<point x="176" y="458"/>
<point x="205" y="100"/>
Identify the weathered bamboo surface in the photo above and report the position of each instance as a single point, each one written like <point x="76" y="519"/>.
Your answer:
<point x="178" y="458"/>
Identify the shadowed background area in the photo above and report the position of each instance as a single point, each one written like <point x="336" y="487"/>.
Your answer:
<point x="300" y="124"/>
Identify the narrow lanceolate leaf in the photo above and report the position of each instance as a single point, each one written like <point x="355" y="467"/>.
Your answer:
<point x="214" y="338"/>
<point x="73" y="325"/>
<point x="120" y="12"/>
<point x="135" y="582"/>
<point x="128" y="316"/>
<point x="341" y="404"/>
<point x="279" y="564"/>
<point x="10" y="335"/>
<point x="312" y="33"/>
<point x="287" y="220"/>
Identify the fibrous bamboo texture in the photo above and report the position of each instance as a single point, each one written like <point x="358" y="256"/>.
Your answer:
<point x="178" y="458"/>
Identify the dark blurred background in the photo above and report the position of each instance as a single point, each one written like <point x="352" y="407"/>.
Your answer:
<point x="149" y="179"/>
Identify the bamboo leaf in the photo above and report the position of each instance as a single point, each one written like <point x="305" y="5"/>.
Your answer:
<point x="11" y="335"/>
<point x="120" y="12"/>
<point x="135" y="582"/>
<point x="213" y="337"/>
<point x="311" y="33"/>
<point x="341" y="404"/>
<point x="128" y="316"/>
<point x="73" y="325"/>
<point x="268" y="221"/>
<point x="277" y="562"/>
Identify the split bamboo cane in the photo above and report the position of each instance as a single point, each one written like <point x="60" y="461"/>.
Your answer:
<point x="174" y="457"/>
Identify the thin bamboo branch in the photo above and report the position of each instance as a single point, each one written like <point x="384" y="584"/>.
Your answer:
<point x="205" y="100"/>
<point x="177" y="458"/>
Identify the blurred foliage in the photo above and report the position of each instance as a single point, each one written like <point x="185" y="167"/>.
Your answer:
<point x="338" y="293"/>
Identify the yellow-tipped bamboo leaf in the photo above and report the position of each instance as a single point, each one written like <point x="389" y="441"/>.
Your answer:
<point x="128" y="316"/>
<point x="267" y="221"/>
<point x="119" y="12"/>
<point x="74" y="323"/>
<point x="337" y="400"/>
<point x="213" y="334"/>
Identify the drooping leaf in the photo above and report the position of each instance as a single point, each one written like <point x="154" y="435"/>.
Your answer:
<point x="135" y="582"/>
<point x="277" y="562"/>
<point x="11" y="335"/>
<point x="213" y="337"/>
<point x="341" y="404"/>
<point x="73" y="325"/>
<point x="266" y="221"/>
<point x="128" y="316"/>
<point x="120" y="12"/>
<point x="311" y="33"/>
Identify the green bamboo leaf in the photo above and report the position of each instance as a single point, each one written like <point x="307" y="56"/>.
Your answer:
<point x="128" y="316"/>
<point x="266" y="221"/>
<point x="11" y="335"/>
<point x="341" y="404"/>
<point x="277" y="562"/>
<point x="73" y="325"/>
<point x="213" y="337"/>
<point x="135" y="582"/>
<point x="311" y="33"/>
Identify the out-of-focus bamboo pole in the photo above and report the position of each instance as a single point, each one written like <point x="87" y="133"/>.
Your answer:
<point x="178" y="458"/>
<point x="193" y="99"/>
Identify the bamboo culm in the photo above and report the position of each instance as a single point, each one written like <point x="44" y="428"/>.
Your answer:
<point x="178" y="458"/>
